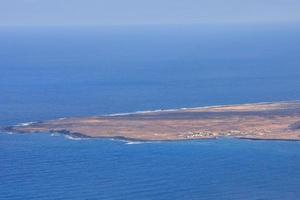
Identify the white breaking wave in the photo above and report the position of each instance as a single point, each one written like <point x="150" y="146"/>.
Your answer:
<point x="25" y="124"/>
<point x="193" y="108"/>
<point x="143" y="112"/>
<point x="143" y="142"/>
<point x="74" y="138"/>
<point x="135" y="142"/>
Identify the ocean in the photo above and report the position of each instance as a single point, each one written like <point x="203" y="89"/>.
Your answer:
<point x="49" y="73"/>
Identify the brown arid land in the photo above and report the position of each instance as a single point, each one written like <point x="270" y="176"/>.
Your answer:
<point x="267" y="121"/>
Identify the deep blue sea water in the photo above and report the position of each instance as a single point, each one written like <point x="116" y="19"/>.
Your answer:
<point x="48" y="73"/>
<point x="45" y="167"/>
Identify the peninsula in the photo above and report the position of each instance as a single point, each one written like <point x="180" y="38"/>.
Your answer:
<point x="274" y="121"/>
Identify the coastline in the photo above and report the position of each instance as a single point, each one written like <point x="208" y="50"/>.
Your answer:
<point x="256" y="121"/>
<point x="79" y="136"/>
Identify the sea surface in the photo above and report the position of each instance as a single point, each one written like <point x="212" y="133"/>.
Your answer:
<point x="49" y="73"/>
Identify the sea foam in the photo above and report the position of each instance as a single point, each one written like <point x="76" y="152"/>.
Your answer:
<point x="75" y="138"/>
<point x="193" y="108"/>
<point x="25" y="124"/>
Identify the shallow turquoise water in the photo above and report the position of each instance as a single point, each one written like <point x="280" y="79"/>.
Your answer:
<point x="47" y="73"/>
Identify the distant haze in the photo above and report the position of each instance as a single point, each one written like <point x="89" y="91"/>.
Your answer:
<point x="131" y="12"/>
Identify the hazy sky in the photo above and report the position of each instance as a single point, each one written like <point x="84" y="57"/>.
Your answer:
<point x="123" y="12"/>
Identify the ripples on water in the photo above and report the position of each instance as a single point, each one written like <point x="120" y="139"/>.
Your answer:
<point x="52" y="73"/>
<point x="44" y="167"/>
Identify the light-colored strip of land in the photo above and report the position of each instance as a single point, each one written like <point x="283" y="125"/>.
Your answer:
<point x="276" y="121"/>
